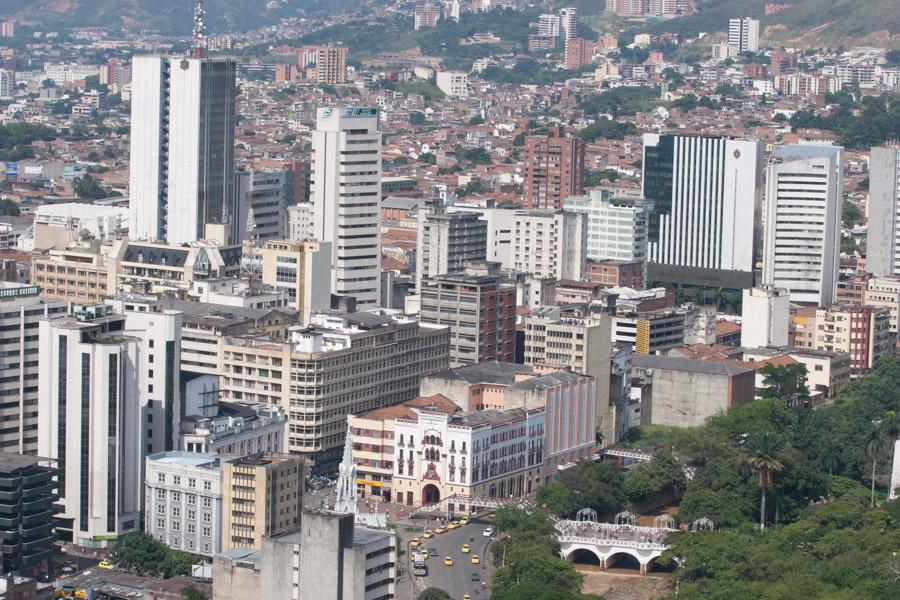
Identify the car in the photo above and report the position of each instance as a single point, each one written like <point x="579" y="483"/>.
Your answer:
<point x="106" y="565"/>
<point x="428" y="535"/>
<point x="448" y="561"/>
<point x="464" y="521"/>
<point x="423" y="553"/>
<point x="432" y="552"/>
<point x="440" y="530"/>
<point x="453" y="525"/>
<point x="464" y="549"/>
<point x="466" y="597"/>
<point x="475" y="576"/>
<point x="414" y="543"/>
<point x="476" y="560"/>
<point x="488" y="532"/>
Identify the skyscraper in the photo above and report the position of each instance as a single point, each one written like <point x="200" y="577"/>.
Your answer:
<point x="883" y="235"/>
<point x="743" y="34"/>
<point x="803" y="222"/>
<point x="706" y="194"/>
<point x="446" y="241"/>
<point x="345" y="190"/>
<point x="554" y="169"/>
<point x="568" y="23"/>
<point x="182" y="147"/>
<point x="331" y="65"/>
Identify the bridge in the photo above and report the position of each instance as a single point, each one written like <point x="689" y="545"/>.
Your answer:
<point x="461" y="502"/>
<point x="641" y="456"/>
<point x="608" y="542"/>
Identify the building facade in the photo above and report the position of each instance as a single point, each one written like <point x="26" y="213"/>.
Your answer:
<point x="447" y="241"/>
<point x="331" y="65"/>
<point x="550" y="243"/>
<point x="554" y="169"/>
<point x="299" y="268"/>
<point x="765" y="317"/>
<point x="28" y="491"/>
<point x="883" y="232"/>
<point x="743" y="34"/>
<point x="617" y="227"/>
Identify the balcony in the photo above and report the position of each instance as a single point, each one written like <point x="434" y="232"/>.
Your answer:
<point x="38" y="492"/>
<point x="10" y="495"/>
<point x="37" y="544"/>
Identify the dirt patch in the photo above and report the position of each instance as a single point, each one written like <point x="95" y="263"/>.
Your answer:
<point x="624" y="584"/>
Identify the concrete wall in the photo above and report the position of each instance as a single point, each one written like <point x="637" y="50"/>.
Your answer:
<point x="685" y="399"/>
<point x="234" y="581"/>
<point x="324" y="539"/>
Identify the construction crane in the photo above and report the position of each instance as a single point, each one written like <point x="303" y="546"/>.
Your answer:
<point x="198" y="38"/>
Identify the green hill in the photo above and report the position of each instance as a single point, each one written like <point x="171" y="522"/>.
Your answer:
<point x="808" y="23"/>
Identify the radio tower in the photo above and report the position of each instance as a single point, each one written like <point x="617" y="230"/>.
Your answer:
<point x="198" y="43"/>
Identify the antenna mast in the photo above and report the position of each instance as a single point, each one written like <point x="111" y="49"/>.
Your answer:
<point x="198" y="42"/>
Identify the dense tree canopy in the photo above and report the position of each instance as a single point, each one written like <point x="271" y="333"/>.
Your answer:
<point x="660" y="475"/>
<point x="587" y="485"/>
<point x="145" y="555"/>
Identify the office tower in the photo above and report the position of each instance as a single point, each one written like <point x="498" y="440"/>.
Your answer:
<point x="743" y="34"/>
<point x="568" y="23"/>
<point x="550" y="243"/>
<point x="338" y="364"/>
<point x="262" y="495"/>
<point x="21" y="310"/>
<point x="706" y="194"/>
<point x="480" y="310"/>
<point x="579" y="52"/>
<point x="182" y="148"/>
<point x="765" y="317"/>
<point x="883" y="235"/>
<point x="91" y="424"/>
<point x="345" y="190"/>
<point x="554" y="169"/>
<point x="331" y="65"/>
<point x="548" y="25"/>
<point x="447" y="241"/>
<point x="299" y="268"/>
<point x="184" y="501"/>
<point x="7" y="83"/>
<point x="616" y="226"/>
<point x="267" y="193"/>
<point x="28" y="490"/>
<point x="803" y="222"/>
<point x="426" y="15"/>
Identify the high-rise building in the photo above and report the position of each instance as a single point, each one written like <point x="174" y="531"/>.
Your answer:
<point x="579" y="52"/>
<point x="568" y="23"/>
<point x="7" y="83"/>
<point x="446" y="241"/>
<point x="554" y="169"/>
<point x="8" y="29"/>
<point x="298" y="268"/>
<point x="548" y="25"/>
<point x="743" y="34"/>
<point x="21" y="310"/>
<point x="182" y="148"/>
<point x="550" y="243"/>
<point x="28" y="490"/>
<point x="706" y="196"/>
<point x="426" y="15"/>
<point x="345" y="190"/>
<point x="262" y="495"/>
<point x="883" y="234"/>
<point x="479" y="309"/>
<point x="267" y="193"/>
<point x="331" y="65"/>
<point x="92" y="424"/>
<point x="765" y="317"/>
<point x="184" y="501"/>
<point x="803" y="222"/>
<point x="616" y="226"/>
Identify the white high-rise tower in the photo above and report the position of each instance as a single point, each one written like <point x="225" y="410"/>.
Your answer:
<point x="346" y="194"/>
<point x="182" y="147"/>
<point x="883" y="234"/>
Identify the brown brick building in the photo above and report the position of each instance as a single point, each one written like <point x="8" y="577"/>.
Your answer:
<point x="554" y="169"/>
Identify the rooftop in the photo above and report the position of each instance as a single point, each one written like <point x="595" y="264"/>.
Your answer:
<point x="485" y="372"/>
<point x="688" y="365"/>
<point x="12" y="462"/>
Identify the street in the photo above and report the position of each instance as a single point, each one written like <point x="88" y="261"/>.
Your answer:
<point x="457" y="580"/>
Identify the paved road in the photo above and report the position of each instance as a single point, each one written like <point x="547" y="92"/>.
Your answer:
<point x="457" y="580"/>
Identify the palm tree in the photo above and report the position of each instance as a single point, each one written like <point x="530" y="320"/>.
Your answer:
<point x="763" y="453"/>
<point x="874" y="444"/>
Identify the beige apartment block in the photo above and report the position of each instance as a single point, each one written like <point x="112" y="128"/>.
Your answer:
<point x="80" y="273"/>
<point x="300" y="268"/>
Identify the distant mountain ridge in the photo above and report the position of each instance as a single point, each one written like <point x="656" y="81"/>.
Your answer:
<point x="807" y="23"/>
<point x="169" y="17"/>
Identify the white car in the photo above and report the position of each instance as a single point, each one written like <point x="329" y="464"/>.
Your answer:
<point x="488" y="532"/>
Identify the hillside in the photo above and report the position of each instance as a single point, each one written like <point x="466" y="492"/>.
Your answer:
<point x="808" y="23"/>
<point x="171" y="17"/>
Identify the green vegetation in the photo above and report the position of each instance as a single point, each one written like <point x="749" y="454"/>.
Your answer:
<point x="786" y="383"/>
<point x="850" y="213"/>
<point x="145" y="555"/>
<point x="429" y="91"/>
<point x="88" y="187"/>
<point x="878" y="122"/>
<point x="661" y="475"/>
<point x="605" y="129"/>
<point x="528" y="72"/>
<point x="8" y="208"/>
<point x="621" y="101"/>
<point x="477" y="156"/>
<point x="192" y="593"/>
<point x="434" y="593"/>
<point x="595" y="178"/>
<point x="529" y="566"/>
<point x="597" y="486"/>
<point x="16" y="138"/>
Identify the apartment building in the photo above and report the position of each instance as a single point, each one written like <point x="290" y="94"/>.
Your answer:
<point x="340" y="364"/>
<point x="480" y="310"/>
<point x="651" y="331"/>
<point x="864" y="332"/>
<point x="262" y="495"/>
<point x="28" y="490"/>
<point x="455" y="84"/>
<point x="299" y="268"/>
<point x="617" y="226"/>
<point x="884" y="292"/>
<point x="446" y="241"/>
<point x="149" y="267"/>
<point x="80" y="273"/>
<point x="183" y="501"/>
<point x="331" y="65"/>
<point x="616" y="273"/>
<point x="551" y="243"/>
<point x="554" y="169"/>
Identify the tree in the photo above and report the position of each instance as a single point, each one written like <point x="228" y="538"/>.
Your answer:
<point x="850" y="214"/>
<point x="434" y="593"/>
<point x="874" y="443"/>
<point x="8" y="208"/>
<point x="785" y="382"/>
<point x="660" y="475"/>
<point x="87" y="187"/>
<point x="597" y="486"/>
<point x="890" y="424"/>
<point x="416" y="118"/>
<point x="763" y="454"/>
<point x="428" y="158"/>
<point x="145" y="555"/>
<point x="192" y="593"/>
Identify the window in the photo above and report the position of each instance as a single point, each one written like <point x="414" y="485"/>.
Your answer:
<point x="205" y="533"/>
<point x="191" y="528"/>
<point x="192" y="483"/>
<point x="192" y="515"/>
<point x="207" y="518"/>
<point x="191" y="499"/>
<point x="176" y="479"/>
<point x="161" y="523"/>
<point x="160" y="509"/>
<point x="207" y="485"/>
<point x="161" y="478"/>
<point x="176" y="496"/>
<point x="176" y="511"/>
<point x="176" y="526"/>
<point x="160" y="494"/>
<point x="207" y="503"/>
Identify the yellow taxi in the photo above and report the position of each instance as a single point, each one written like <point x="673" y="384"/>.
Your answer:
<point x="414" y="543"/>
<point x="464" y="521"/>
<point x="440" y="530"/>
<point x="453" y="525"/>
<point x="448" y="561"/>
<point x="464" y="549"/>
<point x="106" y="565"/>
<point x="428" y="535"/>
<point x="466" y="597"/>
<point x="476" y="560"/>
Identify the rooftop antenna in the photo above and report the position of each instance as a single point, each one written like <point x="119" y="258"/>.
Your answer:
<point x="251" y="260"/>
<point x="198" y="42"/>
